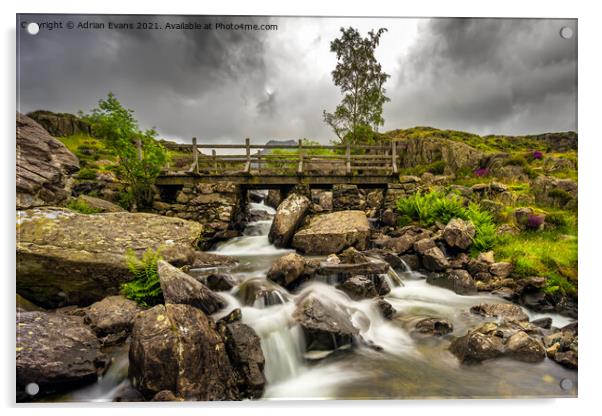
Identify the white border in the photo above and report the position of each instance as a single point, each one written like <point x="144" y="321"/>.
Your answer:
<point x="590" y="151"/>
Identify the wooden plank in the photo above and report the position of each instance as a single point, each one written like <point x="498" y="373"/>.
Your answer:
<point x="266" y="180"/>
<point x="394" y="156"/>
<point x="213" y="154"/>
<point x="248" y="152"/>
<point x="300" y="153"/>
<point x="348" y="157"/>
<point x="284" y="146"/>
<point x="195" y="157"/>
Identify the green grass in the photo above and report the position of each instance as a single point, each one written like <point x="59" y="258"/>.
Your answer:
<point x="145" y="288"/>
<point x="550" y="253"/>
<point x="92" y="153"/>
<point x="82" y="207"/>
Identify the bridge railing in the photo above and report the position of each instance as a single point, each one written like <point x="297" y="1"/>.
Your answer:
<point x="301" y="158"/>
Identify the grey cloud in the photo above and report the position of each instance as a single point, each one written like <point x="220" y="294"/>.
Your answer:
<point x="512" y="76"/>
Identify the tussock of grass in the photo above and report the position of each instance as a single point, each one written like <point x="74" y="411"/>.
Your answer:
<point x="82" y="207"/>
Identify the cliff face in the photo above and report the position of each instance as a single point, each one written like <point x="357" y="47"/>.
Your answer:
<point x="43" y="166"/>
<point x="61" y="124"/>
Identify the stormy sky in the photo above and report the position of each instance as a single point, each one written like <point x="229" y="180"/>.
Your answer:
<point x="488" y="76"/>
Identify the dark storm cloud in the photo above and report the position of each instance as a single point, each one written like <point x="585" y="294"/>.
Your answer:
<point x="150" y="70"/>
<point x="509" y="76"/>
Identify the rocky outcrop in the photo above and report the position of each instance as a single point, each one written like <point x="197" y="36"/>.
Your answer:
<point x="561" y="193"/>
<point x="428" y="150"/>
<point x="287" y="269"/>
<point x="180" y="288"/>
<point x="459" y="233"/>
<point x="333" y="232"/>
<point x="66" y="258"/>
<point x="493" y="340"/>
<point x="289" y="215"/>
<point x="177" y="348"/>
<point x="55" y="351"/>
<point x="325" y="327"/>
<point x="111" y="318"/>
<point x="61" y="124"/>
<point x="345" y="197"/>
<point x="43" y="166"/>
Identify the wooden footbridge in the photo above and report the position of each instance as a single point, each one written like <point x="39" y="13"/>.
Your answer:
<point x="275" y="165"/>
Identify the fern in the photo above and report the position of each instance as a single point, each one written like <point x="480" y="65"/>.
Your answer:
<point x="145" y="287"/>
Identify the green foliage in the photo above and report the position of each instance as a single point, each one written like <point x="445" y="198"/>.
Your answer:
<point x="145" y="288"/>
<point x="81" y="206"/>
<point x="360" y="78"/>
<point x="516" y="160"/>
<point x="560" y="196"/>
<point x="86" y="173"/>
<point x="556" y="284"/>
<point x="436" y="168"/>
<point x="139" y="155"/>
<point x="435" y="206"/>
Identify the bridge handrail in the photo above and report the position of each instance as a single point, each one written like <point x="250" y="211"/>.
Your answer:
<point x="388" y="160"/>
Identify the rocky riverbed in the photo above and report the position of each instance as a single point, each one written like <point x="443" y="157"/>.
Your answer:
<point x="398" y="318"/>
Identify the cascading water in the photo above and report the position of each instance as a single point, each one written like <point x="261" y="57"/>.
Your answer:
<point x="385" y="362"/>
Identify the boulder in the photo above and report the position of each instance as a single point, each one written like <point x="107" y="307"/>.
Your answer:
<point x="326" y="327"/>
<point x="246" y="357"/>
<point x="177" y="348"/>
<point x="333" y="232"/>
<point x="220" y="282"/>
<point x="457" y="280"/>
<point x="500" y="310"/>
<point x="55" y="351"/>
<point x="524" y="348"/>
<point x="352" y="256"/>
<point x="202" y="260"/>
<point x="388" y="217"/>
<point x="165" y="396"/>
<point x="433" y="326"/>
<point x="111" y="318"/>
<point x="254" y="291"/>
<point x="459" y="233"/>
<point x="347" y="270"/>
<point x="274" y="198"/>
<point x="180" y="288"/>
<point x="562" y="346"/>
<point x="66" y="258"/>
<point x="99" y="205"/>
<point x="365" y="287"/>
<point x="287" y="269"/>
<point x="289" y="215"/>
<point x="386" y="309"/>
<point x="545" y="323"/>
<point x="398" y="245"/>
<point x="43" y="166"/>
<point x="394" y="260"/>
<point x="501" y="269"/>
<point x="492" y="340"/>
<point x="434" y="260"/>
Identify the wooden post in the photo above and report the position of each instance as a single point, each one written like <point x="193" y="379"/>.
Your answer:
<point x="300" y="167"/>
<point x="259" y="162"/>
<point x="248" y="149"/>
<point x="139" y="146"/>
<point x="195" y="157"/>
<point x="348" y="155"/>
<point x="394" y="156"/>
<point x="214" y="156"/>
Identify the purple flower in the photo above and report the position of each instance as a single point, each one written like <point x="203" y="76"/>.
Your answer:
<point x="537" y="155"/>
<point x="534" y="222"/>
<point x="481" y="172"/>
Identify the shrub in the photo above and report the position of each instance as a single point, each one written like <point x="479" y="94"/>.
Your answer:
<point x="534" y="222"/>
<point x="86" y="173"/>
<point x="537" y="155"/>
<point x="82" y="206"/>
<point x="145" y="288"/>
<point x="480" y="172"/>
